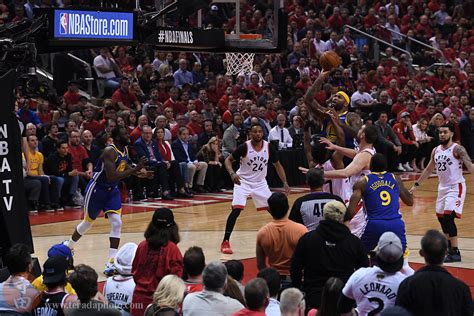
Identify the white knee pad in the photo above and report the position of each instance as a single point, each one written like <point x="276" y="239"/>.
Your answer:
<point x="83" y="227"/>
<point x="115" y="225"/>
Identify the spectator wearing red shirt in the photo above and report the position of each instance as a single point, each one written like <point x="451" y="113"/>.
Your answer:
<point x="298" y="17"/>
<point x="423" y="104"/>
<point x="194" y="126"/>
<point x="124" y="98"/>
<point x="137" y="132"/>
<point x="172" y="102"/>
<point x="398" y="106"/>
<point x="254" y="85"/>
<point x="212" y="94"/>
<point x="158" y="255"/>
<point x="423" y="27"/>
<point x="201" y="100"/>
<point x="181" y="122"/>
<point x="257" y="297"/>
<point x="371" y="19"/>
<point x="71" y="96"/>
<point x="89" y="122"/>
<point x="80" y="158"/>
<point x="194" y="263"/>
<point x="336" y="21"/>
<point x="404" y="130"/>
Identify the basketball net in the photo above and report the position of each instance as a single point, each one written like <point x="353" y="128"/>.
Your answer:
<point x="239" y="63"/>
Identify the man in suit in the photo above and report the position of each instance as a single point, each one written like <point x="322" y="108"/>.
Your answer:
<point x="146" y="147"/>
<point x="188" y="163"/>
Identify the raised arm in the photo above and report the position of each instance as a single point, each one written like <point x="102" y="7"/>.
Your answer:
<point x="405" y="195"/>
<point x="356" y="166"/>
<point x="316" y="87"/>
<point x="461" y="153"/>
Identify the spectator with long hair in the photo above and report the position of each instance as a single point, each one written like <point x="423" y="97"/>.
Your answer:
<point x="157" y="256"/>
<point x="210" y="154"/>
<point x="420" y="130"/>
<point x="330" y="296"/>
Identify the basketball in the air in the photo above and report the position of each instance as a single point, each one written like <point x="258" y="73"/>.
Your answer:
<point x="329" y="60"/>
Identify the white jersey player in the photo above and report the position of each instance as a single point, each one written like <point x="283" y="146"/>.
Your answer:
<point x="360" y="166"/>
<point x="447" y="159"/>
<point x="254" y="156"/>
<point x="375" y="288"/>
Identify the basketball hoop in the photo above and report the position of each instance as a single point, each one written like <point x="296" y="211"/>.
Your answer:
<point x="239" y="63"/>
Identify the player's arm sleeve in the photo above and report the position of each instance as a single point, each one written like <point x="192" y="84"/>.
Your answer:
<point x="295" y="213"/>
<point x="274" y="157"/>
<point x="240" y="152"/>
<point x="297" y="262"/>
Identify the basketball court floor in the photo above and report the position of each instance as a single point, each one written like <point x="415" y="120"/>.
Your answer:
<point x="202" y="219"/>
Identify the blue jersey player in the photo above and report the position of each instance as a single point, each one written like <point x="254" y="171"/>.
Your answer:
<point x="380" y="191"/>
<point x="102" y="193"/>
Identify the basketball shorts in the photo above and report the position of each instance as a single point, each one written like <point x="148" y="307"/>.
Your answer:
<point x="451" y="198"/>
<point x="99" y="199"/>
<point x="258" y="191"/>
<point x="376" y="227"/>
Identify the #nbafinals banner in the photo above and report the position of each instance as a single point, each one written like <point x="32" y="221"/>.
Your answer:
<point x="14" y="221"/>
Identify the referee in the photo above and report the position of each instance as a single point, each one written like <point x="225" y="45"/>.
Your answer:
<point x="308" y="209"/>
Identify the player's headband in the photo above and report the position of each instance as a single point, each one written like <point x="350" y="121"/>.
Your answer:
<point x="344" y="95"/>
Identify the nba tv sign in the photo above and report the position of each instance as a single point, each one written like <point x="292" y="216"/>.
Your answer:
<point x="93" y="25"/>
<point x="14" y="222"/>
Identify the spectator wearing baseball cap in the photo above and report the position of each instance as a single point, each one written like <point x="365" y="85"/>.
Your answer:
<point x="158" y="255"/>
<point x="328" y="251"/>
<point x="363" y="284"/>
<point x="58" y="250"/>
<point x="55" y="299"/>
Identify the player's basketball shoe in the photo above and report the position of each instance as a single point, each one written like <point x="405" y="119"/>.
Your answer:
<point x="225" y="248"/>
<point x="453" y="256"/>
<point x="110" y="268"/>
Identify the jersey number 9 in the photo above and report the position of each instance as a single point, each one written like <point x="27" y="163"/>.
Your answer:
<point x="385" y="197"/>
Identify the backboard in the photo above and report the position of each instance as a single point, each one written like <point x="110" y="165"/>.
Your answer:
<point x="261" y="28"/>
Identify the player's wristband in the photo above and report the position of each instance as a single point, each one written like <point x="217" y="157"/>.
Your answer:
<point x="417" y="184"/>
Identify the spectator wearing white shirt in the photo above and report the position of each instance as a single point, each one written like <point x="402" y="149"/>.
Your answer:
<point x="107" y="69"/>
<point x="319" y="45"/>
<point x="391" y="25"/>
<point x="361" y="100"/>
<point x="281" y="133"/>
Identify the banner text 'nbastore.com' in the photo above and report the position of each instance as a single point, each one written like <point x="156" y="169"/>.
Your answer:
<point x="72" y="24"/>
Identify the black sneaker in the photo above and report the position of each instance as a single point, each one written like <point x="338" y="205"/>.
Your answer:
<point x="57" y="207"/>
<point x="46" y="208"/>
<point x="185" y="195"/>
<point x="452" y="257"/>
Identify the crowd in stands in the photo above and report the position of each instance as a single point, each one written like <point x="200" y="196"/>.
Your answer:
<point x="329" y="275"/>
<point x="185" y="116"/>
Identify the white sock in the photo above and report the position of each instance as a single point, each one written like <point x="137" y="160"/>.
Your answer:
<point x="70" y="243"/>
<point x="112" y="253"/>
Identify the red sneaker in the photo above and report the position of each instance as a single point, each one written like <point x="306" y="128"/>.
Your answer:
<point x="225" y="248"/>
